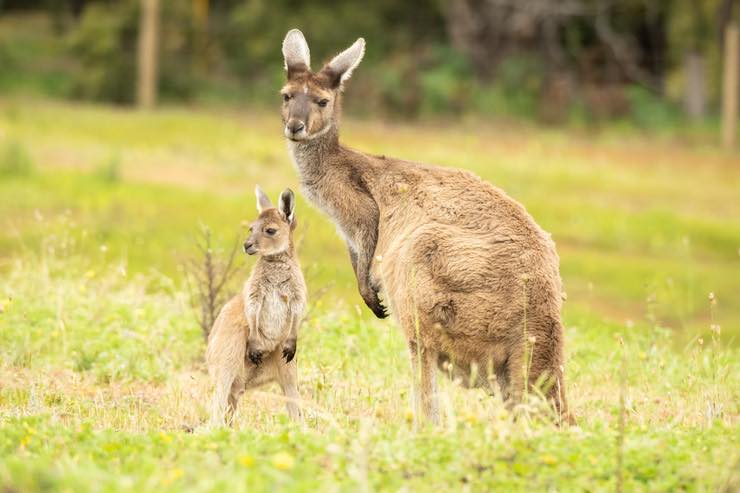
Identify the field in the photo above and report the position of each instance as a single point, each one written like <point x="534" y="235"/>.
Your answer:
<point x="102" y="382"/>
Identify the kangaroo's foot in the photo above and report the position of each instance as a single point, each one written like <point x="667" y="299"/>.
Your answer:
<point x="255" y="356"/>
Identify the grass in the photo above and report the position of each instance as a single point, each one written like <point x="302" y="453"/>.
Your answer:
<point x="101" y="377"/>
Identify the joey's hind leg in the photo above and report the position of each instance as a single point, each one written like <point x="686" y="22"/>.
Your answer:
<point x="237" y="389"/>
<point x="225" y="397"/>
<point x="287" y="377"/>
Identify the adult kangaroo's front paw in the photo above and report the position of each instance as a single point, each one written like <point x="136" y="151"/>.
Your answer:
<point x="379" y="310"/>
<point x="377" y="307"/>
<point x="289" y="350"/>
<point x="255" y="356"/>
<point x="371" y="299"/>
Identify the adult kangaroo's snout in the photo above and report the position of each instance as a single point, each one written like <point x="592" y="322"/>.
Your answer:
<point x="295" y="128"/>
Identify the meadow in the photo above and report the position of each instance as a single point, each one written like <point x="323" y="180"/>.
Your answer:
<point x="102" y="382"/>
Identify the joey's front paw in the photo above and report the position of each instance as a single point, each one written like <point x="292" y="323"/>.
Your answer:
<point x="289" y="351"/>
<point x="255" y="356"/>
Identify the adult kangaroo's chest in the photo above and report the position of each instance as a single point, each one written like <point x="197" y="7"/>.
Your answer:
<point x="334" y="202"/>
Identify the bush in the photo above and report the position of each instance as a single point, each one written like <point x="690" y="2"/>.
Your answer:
<point x="649" y="110"/>
<point x="516" y="90"/>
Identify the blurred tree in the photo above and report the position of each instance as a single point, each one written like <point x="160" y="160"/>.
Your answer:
<point x="200" y="30"/>
<point x="526" y="57"/>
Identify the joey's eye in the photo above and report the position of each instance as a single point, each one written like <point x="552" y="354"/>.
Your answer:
<point x="323" y="103"/>
<point x="286" y="97"/>
<point x="271" y="231"/>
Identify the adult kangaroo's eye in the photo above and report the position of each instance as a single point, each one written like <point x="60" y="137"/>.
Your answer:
<point x="323" y="103"/>
<point x="286" y="97"/>
<point x="271" y="231"/>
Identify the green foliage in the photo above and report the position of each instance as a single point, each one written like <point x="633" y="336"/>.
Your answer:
<point x="446" y="82"/>
<point x="650" y="111"/>
<point x="105" y="44"/>
<point x="516" y="90"/>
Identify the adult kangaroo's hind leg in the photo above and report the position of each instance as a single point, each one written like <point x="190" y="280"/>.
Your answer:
<point x="424" y="377"/>
<point x="546" y="370"/>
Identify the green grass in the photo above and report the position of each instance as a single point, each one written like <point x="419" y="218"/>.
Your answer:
<point x="101" y="371"/>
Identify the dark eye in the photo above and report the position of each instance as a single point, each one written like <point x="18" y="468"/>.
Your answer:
<point x="323" y="103"/>
<point x="271" y="231"/>
<point x="286" y="97"/>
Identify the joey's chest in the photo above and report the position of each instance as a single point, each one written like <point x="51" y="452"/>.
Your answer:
<point x="271" y="309"/>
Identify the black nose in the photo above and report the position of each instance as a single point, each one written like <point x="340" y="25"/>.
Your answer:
<point x="296" y="127"/>
<point x="247" y="246"/>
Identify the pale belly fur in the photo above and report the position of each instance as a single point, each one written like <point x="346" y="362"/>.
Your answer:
<point x="274" y="317"/>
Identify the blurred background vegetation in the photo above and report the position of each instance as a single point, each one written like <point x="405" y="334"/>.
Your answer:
<point x="651" y="63"/>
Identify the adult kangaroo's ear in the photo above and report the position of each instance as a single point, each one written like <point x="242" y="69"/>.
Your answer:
<point x="286" y="205"/>
<point x="263" y="201"/>
<point x="296" y="53"/>
<point x="340" y="68"/>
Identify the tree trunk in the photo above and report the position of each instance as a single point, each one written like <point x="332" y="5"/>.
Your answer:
<point x="146" y="94"/>
<point x="200" y="24"/>
<point x="730" y="86"/>
<point x="695" y="91"/>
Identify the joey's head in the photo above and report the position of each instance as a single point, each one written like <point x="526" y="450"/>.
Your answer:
<point x="311" y="99"/>
<point x="272" y="232"/>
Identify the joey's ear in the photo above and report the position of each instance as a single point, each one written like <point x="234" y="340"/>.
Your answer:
<point x="340" y="68"/>
<point x="296" y="53"/>
<point x="263" y="201"/>
<point x="286" y="205"/>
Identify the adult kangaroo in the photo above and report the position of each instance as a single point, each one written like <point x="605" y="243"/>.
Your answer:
<point x="473" y="281"/>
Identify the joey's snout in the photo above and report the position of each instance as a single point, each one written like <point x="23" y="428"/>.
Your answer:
<point x="249" y="247"/>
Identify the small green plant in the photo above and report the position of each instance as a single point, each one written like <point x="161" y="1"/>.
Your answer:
<point x="109" y="171"/>
<point x="15" y="160"/>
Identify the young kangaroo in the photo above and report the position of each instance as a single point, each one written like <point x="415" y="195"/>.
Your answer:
<point x="253" y="340"/>
<point x="472" y="279"/>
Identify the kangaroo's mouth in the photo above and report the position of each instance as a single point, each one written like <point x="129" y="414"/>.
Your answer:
<point x="296" y="136"/>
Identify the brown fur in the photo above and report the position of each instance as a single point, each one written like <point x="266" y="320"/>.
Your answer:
<point x="472" y="279"/>
<point x="253" y="340"/>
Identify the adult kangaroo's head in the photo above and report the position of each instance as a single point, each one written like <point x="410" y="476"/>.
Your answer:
<point x="311" y="100"/>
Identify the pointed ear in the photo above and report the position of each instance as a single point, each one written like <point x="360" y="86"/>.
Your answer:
<point x="340" y="68"/>
<point x="286" y="205"/>
<point x="296" y="53"/>
<point x="263" y="201"/>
